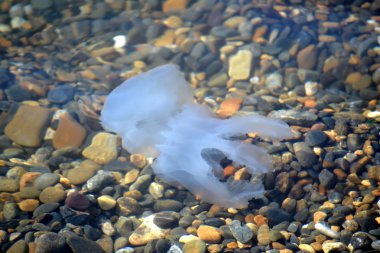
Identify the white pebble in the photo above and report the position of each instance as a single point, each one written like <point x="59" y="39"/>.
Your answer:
<point x="311" y="88"/>
<point x="17" y="22"/>
<point x="326" y="230"/>
<point x="5" y="28"/>
<point x="120" y="41"/>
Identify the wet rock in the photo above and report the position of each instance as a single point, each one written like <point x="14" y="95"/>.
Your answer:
<point x="28" y="205"/>
<point x="82" y="173"/>
<point x="209" y="234"/>
<point x="103" y="148"/>
<point x="8" y="185"/>
<point x="79" y="245"/>
<point x="240" y="65"/>
<point x="69" y="133"/>
<point x="294" y="117"/>
<point x="77" y="201"/>
<point x="166" y="220"/>
<point x="61" y="94"/>
<point x="242" y="233"/>
<point x="41" y="4"/>
<point x="326" y="178"/>
<point x="52" y="195"/>
<point x="106" y="202"/>
<point x="51" y="242"/>
<point x="354" y="142"/>
<point x="127" y="206"/>
<point x="305" y="154"/>
<point x="263" y="235"/>
<point x="316" y="138"/>
<point x="167" y="205"/>
<point x="307" y="57"/>
<point x="46" y="180"/>
<point x="28" y="125"/>
<point x="146" y="232"/>
<point x="18" y="247"/>
<point x="194" y="246"/>
<point x="174" y="5"/>
<point x="277" y="215"/>
<point x="100" y="180"/>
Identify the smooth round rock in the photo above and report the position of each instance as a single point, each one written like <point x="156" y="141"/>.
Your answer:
<point x="61" y="94"/>
<point x="77" y="201"/>
<point x="52" y="195"/>
<point x="45" y="180"/>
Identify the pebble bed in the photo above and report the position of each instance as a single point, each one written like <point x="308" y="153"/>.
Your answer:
<point x="66" y="185"/>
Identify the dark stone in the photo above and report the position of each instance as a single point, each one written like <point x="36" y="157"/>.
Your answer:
<point x="162" y="246"/>
<point x="354" y="142"/>
<point x="18" y="94"/>
<point x="305" y="154"/>
<point x="316" y="138"/>
<point x="166" y="220"/>
<point x="167" y="205"/>
<point x="327" y="179"/>
<point x="77" y="201"/>
<point x="51" y="242"/>
<point x="214" y="222"/>
<point x="92" y="233"/>
<point x="277" y="215"/>
<point x="80" y="245"/>
<point x="45" y="208"/>
<point x="61" y="94"/>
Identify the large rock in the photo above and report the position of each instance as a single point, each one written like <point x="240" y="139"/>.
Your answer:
<point x="240" y="65"/>
<point x="28" y="125"/>
<point x="103" y="148"/>
<point x="69" y="133"/>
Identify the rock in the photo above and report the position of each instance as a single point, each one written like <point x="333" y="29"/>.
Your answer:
<point x="77" y="201"/>
<point x="80" y="29"/>
<point x="167" y="205"/>
<point x="174" y="5"/>
<point x="100" y="180"/>
<point x="61" y="94"/>
<point x="141" y="183"/>
<point x="277" y="215"/>
<point x="242" y="233"/>
<point x="28" y="205"/>
<point x="305" y="154"/>
<point x="316" y="138"/>
<point x="82" y="173"/>
<point x="229" y="106"/>
<point x="263" y="235"/>
<point x="29" y="193"/>
<point x="326" y="178"/>
<point x="45" y="208"/>
<point x="18" y="247"/>
<point x="28" y="125"/>
<point x="103" y="148"/>
<point x="209" y="234"/>
<point x="329" y="247"/>
<point x="8" y="185"/>
<point x="69" y="133"/>
<point x="307" y="57"/>
<point x="354" y="142"/>
<point x="128" y="206"/>
<point x="80" y="245"/>
<point x="10" y="211"/>
<point x="273" y="81"/>
<point x="358" y="81"/>
<point x="194" y="246"/>
<point x="219" y="79"/>
<point x="240" y="65"/>
<point x="146" y="232"/>
<point x="106" y="202"/>
<point x="374" y="172"/>
<point x="166" y="219"/>
<point x="51" y="242"/>
<point x="41" y="4"/>
<point x="311" y="88"/>
<point x="46" y="180"/>
<point x="156" y="190"/>
<point x="52" y="195"/>
<point x="294" y="117"/>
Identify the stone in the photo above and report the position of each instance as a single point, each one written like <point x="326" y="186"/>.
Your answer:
<point x="61" y="94"/>
<point x="51" y="242"/>
<point x="194" y="246"/>
<point x="28" y="205"/>
<point x="41" y="4"/>
<point x="8" y="185"/>
<point x="166" y="219"/>
<point x="80" y="29"/>
<point x="46" y="180"/>
<point x="358" y="81"/>
<point x="146" y="232"/>
<point x="307" y="57"/>
<point x="229" y="106"/>
<point x="82" y="173"/>
<point x="241" y="232"/>
<point x="29" y="193"/>
<point x="102" y="149"/>
<point x="80" y="245"/>
<point x="28" y="125"/>
<point x="263" y="235"/>
<point x="18" y="247"/>
<point x="77" y="201"/>
<point x="277" y="215"/>
<point x="374" y="172"/>
<point x="295" y="117"/>
<point x="273" y="81"/>
<point x="10" y="211"/>
<point x="167" y="205"/>
<point x="69" y="133"/>
<point x="240" y="65"/>
<point x="27" y="179"/>
<point x="174" y="5"/>
<point x="106" y="202"/>
<point x="100" y="180"/>
<point x="316" y="138"/>
<point x="305" y="154"/>
<point x="127" y="206"/>
<point x="327" y="179"/>
<point x="209" y="234"/>
<point x="52" y="195"/>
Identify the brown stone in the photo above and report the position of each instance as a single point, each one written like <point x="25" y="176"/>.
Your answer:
<point x="28" y="178"/>
<point x="229" y="106"/>
<point x="146" y="232"/>
<point x="28" y="125"/>
<point x="28" y="205"/>
<point x="209" y="234"/>
<point x="358" y="81"/>
<point x="263" y="235"/>
<point x="103" y="148"/>
<point x="69" y="133"/>
<point x="307" y="57"/>
<point x="174" y="5"/>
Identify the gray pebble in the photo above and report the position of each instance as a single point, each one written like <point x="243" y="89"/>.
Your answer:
<point x="46" y="180"/>
<point x="242" y="233"/>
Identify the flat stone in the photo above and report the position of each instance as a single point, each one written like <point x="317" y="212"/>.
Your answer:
<point x="82" y="173"/>
<point x="100" y="180"/>
<point x="209" y="234"/>
<point x="146" y="232"/>
<point x="240" y="65"/>
<point x="8" y="185"/>
<point x="69" y="133"/>
<point x="127" y="206"/>
<point x="52" y="195"/>
<point x="305" y="154"/>
<point x="29" y="193"/>
<point x="229" y="106"/>
<point x="307" y="57"/>
<point x="45" y="180"/>
<point x="174" y="5"/>
<point x="28" y="125"/>
<point x="103" y="148"/>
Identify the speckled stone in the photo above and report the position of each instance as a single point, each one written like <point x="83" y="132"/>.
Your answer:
<point x="28" y="125"/>
<point x="194" y="246"/>
<point x="146" y="232"/>
<point x="52" y="195"/>
<point x="18" y="247"/>
<point x="103" y="148"/>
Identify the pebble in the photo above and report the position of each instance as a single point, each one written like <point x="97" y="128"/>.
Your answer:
<point x="52" y="195"/>
<point x="79" y="245"/>
<point x="326" y="230"/>
<point x="41" y="4"/>
<point x="28" y="205"/>
<point x="61" y="94"/>
<point x="240" y="65"/>
<point x="146" y="232"/>
<point x="273" y="81"/>
<point x="263" y="235"/>
<point x="167" y="205"/>
<point x="46" y="180"/>
<point x="166" y="220"/>
<point x="307" y="57"/>
<point x="329" y="247"/>
<point x="304" y="154"/>
<point x="100" y="180"/>
<point x="27" y="125"/>
<point x="18" y="247"/>
<point x="69" y="133"/>
<point x="51" y="242"/>
<point x="8" y="185"/>
<point x="242" y="233"/>
<point x="326" y="178"/>
<point x="82" y="173"/>
<point x="127" y="206"/>
<point x="295" y="117"/>
<point x="106" y="202"/>
<point x="77" y="201"/>
<point x="194" y="246"/>
<point x="209" y="234"/>
<point x="277" y="215"/>
<point x="103" y="148"/>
